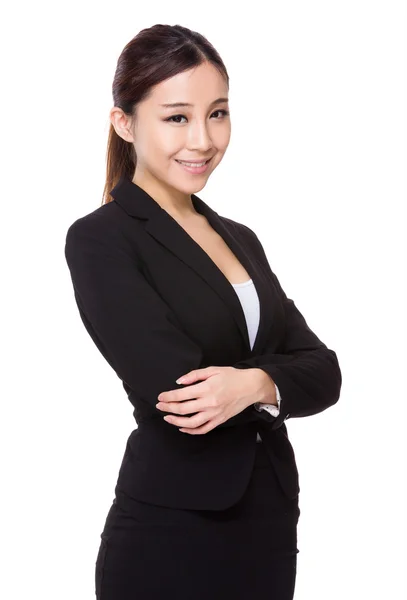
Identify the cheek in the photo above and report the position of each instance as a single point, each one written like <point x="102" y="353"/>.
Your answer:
<point x="221" y="140"/>
<point x="161" y="142"/>
<point x="224" y="138"/>
<point x="168" y="139"/>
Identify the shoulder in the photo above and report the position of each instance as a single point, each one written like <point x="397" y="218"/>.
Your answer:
<point x="250" y="239"/>
<point x="99" y="231"/>
<point x="243" y="231"/>
<point x="96" y="220"/>
<point x="240" y="228"/>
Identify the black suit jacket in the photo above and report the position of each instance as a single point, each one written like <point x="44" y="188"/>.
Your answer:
<point x="157" y="306"/>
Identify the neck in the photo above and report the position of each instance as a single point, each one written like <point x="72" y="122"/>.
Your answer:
<point x="176" y="203"/>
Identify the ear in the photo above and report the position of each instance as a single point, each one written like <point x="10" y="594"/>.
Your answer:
<point x="122" y="124"/>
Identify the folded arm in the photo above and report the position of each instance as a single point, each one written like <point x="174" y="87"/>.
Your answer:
<point x="142" y="340"/>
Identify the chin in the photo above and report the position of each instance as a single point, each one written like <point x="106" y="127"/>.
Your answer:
<point x="199" y="187"/>
<point x="188" y="188"/>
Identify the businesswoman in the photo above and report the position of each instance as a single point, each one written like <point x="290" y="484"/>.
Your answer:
<point x="212" y="354"/>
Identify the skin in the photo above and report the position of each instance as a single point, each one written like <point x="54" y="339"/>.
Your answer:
<point x="196" y="132"/>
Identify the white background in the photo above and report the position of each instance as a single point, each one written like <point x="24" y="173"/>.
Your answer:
<point x="316" y="166"/>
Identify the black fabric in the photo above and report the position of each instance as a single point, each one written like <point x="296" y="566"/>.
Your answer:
<point x="157" y="307"/>
<point x="245" y="551"/>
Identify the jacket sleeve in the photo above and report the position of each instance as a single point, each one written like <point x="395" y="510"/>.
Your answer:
<point x="309" y="379"/>
<point x="127" y="319"/>
<point x="129" y="322"/>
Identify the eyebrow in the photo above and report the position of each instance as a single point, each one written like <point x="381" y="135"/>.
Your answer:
<point x="181" y="104"/>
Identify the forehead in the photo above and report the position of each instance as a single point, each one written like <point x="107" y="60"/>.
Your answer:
<point x="200" y="85"/>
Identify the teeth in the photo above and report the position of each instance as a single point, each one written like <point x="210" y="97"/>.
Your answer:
<point x="193" y="164"/>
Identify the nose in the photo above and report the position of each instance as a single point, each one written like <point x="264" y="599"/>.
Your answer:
<point x="199" y="138"/>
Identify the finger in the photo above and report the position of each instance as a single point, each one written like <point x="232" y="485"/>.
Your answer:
<point x="188" y="422"/>
<point x="197" y="374"/>
<point x="199" y="430"/>
<point x="191" y="401"/>
<point x="182" y="408"/>
<point x="187" y="393"/>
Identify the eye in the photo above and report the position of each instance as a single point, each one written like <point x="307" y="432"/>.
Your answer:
<point x="225" y="112"/>
<point x="169" y="119"/>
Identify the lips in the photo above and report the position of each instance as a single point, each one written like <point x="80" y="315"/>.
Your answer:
<point x="193" y="168"/>
<point x="193" y="162"/>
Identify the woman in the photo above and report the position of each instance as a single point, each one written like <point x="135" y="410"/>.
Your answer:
<point x="206" y="501"/>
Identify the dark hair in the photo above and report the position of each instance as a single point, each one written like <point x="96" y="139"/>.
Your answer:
<point x="153" y="55"/>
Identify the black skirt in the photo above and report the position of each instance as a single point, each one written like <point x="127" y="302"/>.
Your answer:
<point x="249" y="550"/>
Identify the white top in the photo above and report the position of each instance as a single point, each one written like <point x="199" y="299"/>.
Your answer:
<point x="249" y="300"/>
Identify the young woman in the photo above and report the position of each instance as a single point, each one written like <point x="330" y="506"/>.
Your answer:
<point x="212" y="354"/>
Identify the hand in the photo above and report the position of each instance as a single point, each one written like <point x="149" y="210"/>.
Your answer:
<point x="223" y="393"/>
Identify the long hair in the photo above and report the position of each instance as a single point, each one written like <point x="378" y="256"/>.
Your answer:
<point x="152" y="56"/>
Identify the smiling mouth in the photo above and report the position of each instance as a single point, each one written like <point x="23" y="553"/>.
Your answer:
<point x="193" y="164"/>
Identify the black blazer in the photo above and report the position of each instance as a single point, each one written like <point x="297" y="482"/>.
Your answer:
<point x="157" y="306"/>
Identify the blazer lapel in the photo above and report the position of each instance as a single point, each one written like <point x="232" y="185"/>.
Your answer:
<point x="166" y="230"/>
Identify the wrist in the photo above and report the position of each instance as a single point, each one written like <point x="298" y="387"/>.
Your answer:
<point x="265" y="388"/>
